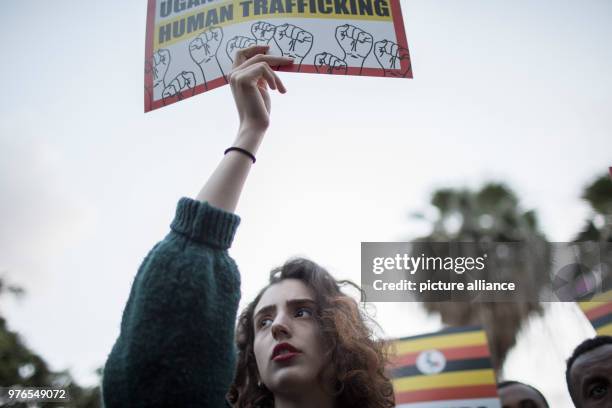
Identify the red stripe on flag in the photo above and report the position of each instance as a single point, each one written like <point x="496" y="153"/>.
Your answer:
<point x="599" y="311"/>
<point x="449" y="393"/>
<point x="453" y="353"/>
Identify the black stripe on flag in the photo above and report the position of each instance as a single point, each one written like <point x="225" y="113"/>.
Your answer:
<point x="602" y="321"/>
<point x="454" y="365"/>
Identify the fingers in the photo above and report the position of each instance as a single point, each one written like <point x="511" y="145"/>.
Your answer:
<point x="272" y="60"/>
<point x="273" y="80"/>
<point x="246" y="53"/>
<point x="252" y="74"/>
<point x="237" y="43"/>
<point x="252" y="64"/>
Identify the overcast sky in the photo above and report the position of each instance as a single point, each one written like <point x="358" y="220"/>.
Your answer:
<point x="515" y="91"/>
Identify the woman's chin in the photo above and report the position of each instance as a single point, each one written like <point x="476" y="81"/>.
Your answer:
<point x="290" y="379"/>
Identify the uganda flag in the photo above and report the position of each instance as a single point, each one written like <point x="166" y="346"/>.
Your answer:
<point x="450" y="368"/>
<point x="599" y="312"/>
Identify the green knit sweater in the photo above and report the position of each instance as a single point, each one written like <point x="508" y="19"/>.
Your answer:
<point x="176" y="344"/>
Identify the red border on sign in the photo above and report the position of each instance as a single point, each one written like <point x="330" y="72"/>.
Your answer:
<point x="150" y="104"/>
<point x="149" y="54"/>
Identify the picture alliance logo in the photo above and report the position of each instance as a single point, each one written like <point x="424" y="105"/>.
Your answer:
<point x="412" y="264"/>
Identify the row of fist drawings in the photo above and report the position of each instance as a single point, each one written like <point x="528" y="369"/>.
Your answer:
<point x="292" y="41"/>
<point x="296" y="42"/>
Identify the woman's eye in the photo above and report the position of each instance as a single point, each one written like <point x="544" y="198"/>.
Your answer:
<point x="598" y="391"/>
<point x="264" y="322"/>
<point x="303" y="312"/>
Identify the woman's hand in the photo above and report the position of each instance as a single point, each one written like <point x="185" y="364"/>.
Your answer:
<point x="250" y="78"/>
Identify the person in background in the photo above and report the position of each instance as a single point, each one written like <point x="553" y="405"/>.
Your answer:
<point x="589" y="373"/>
<point x="515" y="394"/>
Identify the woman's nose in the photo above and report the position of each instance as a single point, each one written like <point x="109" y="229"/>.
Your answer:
<point x="281" y="327"/>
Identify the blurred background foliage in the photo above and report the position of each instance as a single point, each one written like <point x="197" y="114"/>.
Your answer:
<point x="19" y="365"/>
<point x="483" y="216"/>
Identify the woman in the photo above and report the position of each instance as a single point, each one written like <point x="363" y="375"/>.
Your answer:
<point x="301" y="342"/>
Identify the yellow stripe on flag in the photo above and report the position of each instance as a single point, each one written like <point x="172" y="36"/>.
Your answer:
<point x="604" y="330"/>
<point x="588" y="306"/>
<point x="440" y="342"/>
<point x="596" y="301"/>
<point x="443" y="380"/>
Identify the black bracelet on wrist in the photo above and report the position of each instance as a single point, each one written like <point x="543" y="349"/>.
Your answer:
<point x="241" y="150"/>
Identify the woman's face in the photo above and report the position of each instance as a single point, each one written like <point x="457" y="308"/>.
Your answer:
<point x="288" y="342"/>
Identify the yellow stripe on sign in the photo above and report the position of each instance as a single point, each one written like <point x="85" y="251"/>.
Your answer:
<point x="439" y="342"/>
<point x="604" y="330"/>
<point x="459" y="378"/>
<point x="189" y="25"/>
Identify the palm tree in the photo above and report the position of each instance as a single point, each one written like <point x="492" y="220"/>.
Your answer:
<point x="488" y="215"/>
<point x="598" y="226"/>
<point x="597" y="229"/>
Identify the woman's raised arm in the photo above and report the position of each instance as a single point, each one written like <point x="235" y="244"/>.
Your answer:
<point x="249" y="80"/>
<point x="176" y="343"/>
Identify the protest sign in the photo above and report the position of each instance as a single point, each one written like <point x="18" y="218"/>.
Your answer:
<point x="599" y="312"/>
<point x="449" y="368"/>
<point x="191" y="44"/>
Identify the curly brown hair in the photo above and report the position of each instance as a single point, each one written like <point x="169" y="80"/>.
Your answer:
<point x="358" y="358"/>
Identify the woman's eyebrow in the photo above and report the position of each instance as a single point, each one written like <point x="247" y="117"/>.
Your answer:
<point x="264" y="309"/>
<point x="292" y="302"/>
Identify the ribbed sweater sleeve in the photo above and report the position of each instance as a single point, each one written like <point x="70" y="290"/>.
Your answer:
<point x="176" y="343"/>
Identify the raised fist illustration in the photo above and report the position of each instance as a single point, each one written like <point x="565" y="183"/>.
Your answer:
<point x="238" y="43"/>
<point x="293" y="42"/>
<point x="263" y="32"/>
<point x="390" y="55"/>
<point x="327" y="63"/>
<point x="203" y="50"/>
<point x="158" y="65"/>
<point x="180" y="87"/>
<point x="356" y="44"/>
<point x="204" y="47"/>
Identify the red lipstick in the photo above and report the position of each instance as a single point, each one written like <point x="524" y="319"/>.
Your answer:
<point x="284" y="352"/>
